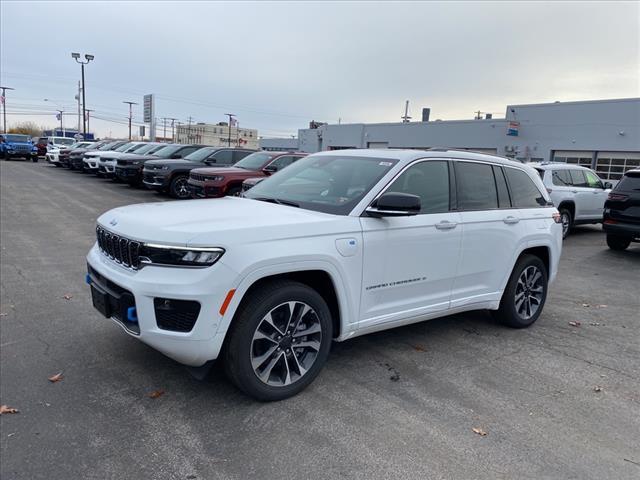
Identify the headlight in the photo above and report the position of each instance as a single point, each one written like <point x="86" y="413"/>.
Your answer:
<point x="168" y="255"/>
<point x="135" y="162"/>
<point x="165" y="167"/>
<point x="216" y="178"/>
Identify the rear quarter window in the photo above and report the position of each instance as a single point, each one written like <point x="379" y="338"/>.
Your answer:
<point x="524" y="192"/>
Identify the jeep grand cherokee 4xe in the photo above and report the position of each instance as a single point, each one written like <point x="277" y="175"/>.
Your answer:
<point x="337" y="245"/>
<point x="622" y="212"/>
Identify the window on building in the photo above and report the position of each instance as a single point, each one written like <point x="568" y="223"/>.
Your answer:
<point x="524" y="193"/>
<point x="476" y="186"/>
<point x="428" y="180"/>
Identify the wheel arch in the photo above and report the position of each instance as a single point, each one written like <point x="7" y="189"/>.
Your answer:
<point x="569" y="205"/>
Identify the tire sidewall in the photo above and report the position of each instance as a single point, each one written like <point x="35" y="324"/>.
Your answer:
<point x="238" y="351"/>
<point x="566" y="212"/>
<point x="508" y="309"/>
<point x="172" y="188"/>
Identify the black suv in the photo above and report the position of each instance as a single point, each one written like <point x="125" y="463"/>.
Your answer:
<point x="622" y="212"/>
<point x="172" y="176"/>
<point x="129" y="167"/>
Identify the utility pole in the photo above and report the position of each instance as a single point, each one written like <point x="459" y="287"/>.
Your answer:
<point x="60" y="112"/>
<point x="131" y="104"/>
<point x="78" y="98"/>
<point x="88" y="115"/>
<point x="478" y="115"/>
<point x="189" y="129"/>
<point x="230" y="115"/>
<point x="406" y="117"/>
<point x="4" y="107"/>
<point x="76" y="57"/>
<point x="178" y="132"/>
<point x="172" y="128"/>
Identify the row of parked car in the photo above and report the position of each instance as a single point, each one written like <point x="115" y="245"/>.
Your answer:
<point x="182" y="171"/>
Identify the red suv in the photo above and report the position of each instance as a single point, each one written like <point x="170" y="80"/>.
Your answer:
<point x="215" y="182"/>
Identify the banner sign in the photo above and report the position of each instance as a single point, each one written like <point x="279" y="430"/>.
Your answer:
<point x="513" y="129"/>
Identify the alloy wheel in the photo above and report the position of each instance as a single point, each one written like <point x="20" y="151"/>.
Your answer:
<point x="566" y="222"/>
<point x="529" y="292"/>
<point x="286" y="343"/>
<point x="182" y="188"/>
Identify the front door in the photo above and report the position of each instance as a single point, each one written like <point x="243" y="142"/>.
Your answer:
<point x="410" y="262"/>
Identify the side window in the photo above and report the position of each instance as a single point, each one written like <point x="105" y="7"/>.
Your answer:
<point x="475" y="186"/>
<point x="239" y="155"/>
<point x="524" y="193"/>
<point x="283" y="161"/>
<point x="561" y="178"/>
<point x="186" y="151"/>
<point x="592" y="180"/>
<point x="577" y="178"/>
<point x="222" y="157"/>
<point x="503" y="192"/>
<point x="428" y="180"/>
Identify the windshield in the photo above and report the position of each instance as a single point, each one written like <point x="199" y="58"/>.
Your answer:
<point x="200" y="155"/>
<point x="106" y="146"/>
<point x="254" y="161"/>
<point x="64" y="141"/>
<point x="147" y="147"/>
<point x="95" y="146"/>
<point x="124" y="148"/>
<point x="17" y="138"/>
<point x="168" y="151"/>
<point x="324" y="183"/>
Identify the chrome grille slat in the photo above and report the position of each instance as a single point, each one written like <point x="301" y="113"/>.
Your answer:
<point x="120" y="249"/>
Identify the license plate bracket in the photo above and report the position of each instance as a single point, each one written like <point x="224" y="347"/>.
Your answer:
<point x="101" y="301"/>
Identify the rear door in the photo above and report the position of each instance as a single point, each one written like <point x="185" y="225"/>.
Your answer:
<point x="240" y="154"/>
<point x="222" y="158"/>
<point x="581" y="194"/>
<point x="491" y="231"/>
<point x="598" y="194"/>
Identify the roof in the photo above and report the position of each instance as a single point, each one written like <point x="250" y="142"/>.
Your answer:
<point x="556" y="166"/>
<point x="577" y="102"/>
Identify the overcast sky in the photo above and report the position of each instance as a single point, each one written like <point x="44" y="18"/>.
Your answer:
<point x="279" y="65"/>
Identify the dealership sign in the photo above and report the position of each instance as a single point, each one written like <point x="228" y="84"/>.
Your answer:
<point x="513" y="129"/>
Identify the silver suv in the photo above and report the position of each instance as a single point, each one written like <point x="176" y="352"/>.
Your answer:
<point x="577" y="192"/>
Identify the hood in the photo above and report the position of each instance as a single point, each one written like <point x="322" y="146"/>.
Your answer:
<point x="235" y="172"/>
<point x="111" y="155"/>
<point x="222" y="222"/>
<point x="94" y="153"/>
<point x="137" y="156"/>
<point x="172" y="162"/>
<point x="253" y="180"/>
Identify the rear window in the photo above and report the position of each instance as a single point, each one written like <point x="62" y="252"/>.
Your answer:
<point x="561" y="178"/>
<point x="476" y="186"/>
<point x="524" y="193"/>
<point x="629" y="182"/>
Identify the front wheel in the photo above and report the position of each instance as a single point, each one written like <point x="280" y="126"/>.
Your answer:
<point x="523" y="299"/>
<point x="179" y="187"/>
<point x="617" y="242"/>
<point x="566" y="220"/>
<point x="279" y="341"/>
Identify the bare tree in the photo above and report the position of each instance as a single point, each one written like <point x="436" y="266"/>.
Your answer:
<point x="26" y="128"/>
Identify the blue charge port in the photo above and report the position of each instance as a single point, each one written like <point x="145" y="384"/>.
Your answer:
<point x="132" y="315"/>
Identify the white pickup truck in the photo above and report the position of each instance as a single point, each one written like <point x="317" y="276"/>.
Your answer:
<point x="337" y="245"/>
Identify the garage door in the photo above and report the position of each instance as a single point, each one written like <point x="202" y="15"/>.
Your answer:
<point x="575" y="157"/>
<point x="611" y="165"/>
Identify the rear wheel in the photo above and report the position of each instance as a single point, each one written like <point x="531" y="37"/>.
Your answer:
<point x="526" y="292"/>
<point x="566" y="220"/>
<point x="279" y="341"/>
<point x="617" y="242"/>
<point x="179" y="187"/>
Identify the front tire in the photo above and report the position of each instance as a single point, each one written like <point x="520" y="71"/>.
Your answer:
<point x="179" y="187"/>
<point x="523" y="299"/>
<point x="617" y="242"/>
<point x="279" y="341"/>
<point x="567" y="222"/>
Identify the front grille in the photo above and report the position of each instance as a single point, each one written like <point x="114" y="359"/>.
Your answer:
<point x="176" y="315"/>
<point x="198" y="177"/>
<point x="120" y="249"/>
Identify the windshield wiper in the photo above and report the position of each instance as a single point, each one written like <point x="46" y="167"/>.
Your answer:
<point x="277" y="200"/>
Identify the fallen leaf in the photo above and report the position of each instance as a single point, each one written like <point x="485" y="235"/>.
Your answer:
<point x="156" y="393"/>
<point x="2" y="314"/>
<point x="11" y="434"/>
<point x="594" y="324"/>
<point x="479" y="431"/>
<point x="598" y="388"/>
<point x="601" y="306"/>
<point x="56" y="378"/>
<point x="419" y="348"/>
<point x="586" y="305"/>
<point x="575" y="324"/>
<point x="67" y="296"/>
<point x="6" y="409"/>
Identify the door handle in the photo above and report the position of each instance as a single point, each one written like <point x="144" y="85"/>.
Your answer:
<point x="510" y="220"/>
<point x="574" y="191"/>
<point x="446" y="225"/>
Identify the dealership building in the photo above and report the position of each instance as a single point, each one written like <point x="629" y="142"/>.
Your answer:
<point x="217" y="135"/>
<point x="600" y="134"/>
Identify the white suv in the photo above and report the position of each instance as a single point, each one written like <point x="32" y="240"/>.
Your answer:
<point x="577" y="192"/>
<point x="337" y="245"/>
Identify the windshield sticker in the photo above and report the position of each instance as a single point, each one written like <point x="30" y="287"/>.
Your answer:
<point x="386" y="164"/>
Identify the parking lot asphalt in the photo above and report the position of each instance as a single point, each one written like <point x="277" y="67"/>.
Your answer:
<point x="556" y="400"/>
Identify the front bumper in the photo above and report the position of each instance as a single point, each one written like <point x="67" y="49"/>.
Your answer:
<point x="128" y="174"/>
<point x="207" y="286"/>
<point x="203" y="190"/>
<point x="155" y="180"/>
<point x="108" y="170"/>
<point x="52" y="157"/>
<point x="89" y="165"/>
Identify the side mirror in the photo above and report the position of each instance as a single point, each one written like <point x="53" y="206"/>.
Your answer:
<point x="176" y="155"/>
<point x="270" y="169"/>
<point x="394" y="204"/>
<point x="608" y="185"/>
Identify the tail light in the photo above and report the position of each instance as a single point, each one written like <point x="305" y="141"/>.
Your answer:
<point x="617" y="196"/>
<point x="556" y="217"/>
<point x="610" y="221"/>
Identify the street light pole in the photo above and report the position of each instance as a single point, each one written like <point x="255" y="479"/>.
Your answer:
<point x="4" y="107"/>
<point x="130" y="105"/>
<point x="88" y="58"/>
<point x="230" y="115"/>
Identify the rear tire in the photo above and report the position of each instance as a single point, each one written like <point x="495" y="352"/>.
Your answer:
<point x="285" y="363"/>
<point x="617" y="242"/>
<point x="179" y="187"/>
<point x="567" y="222"/>
<point x="524" y="298"/>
